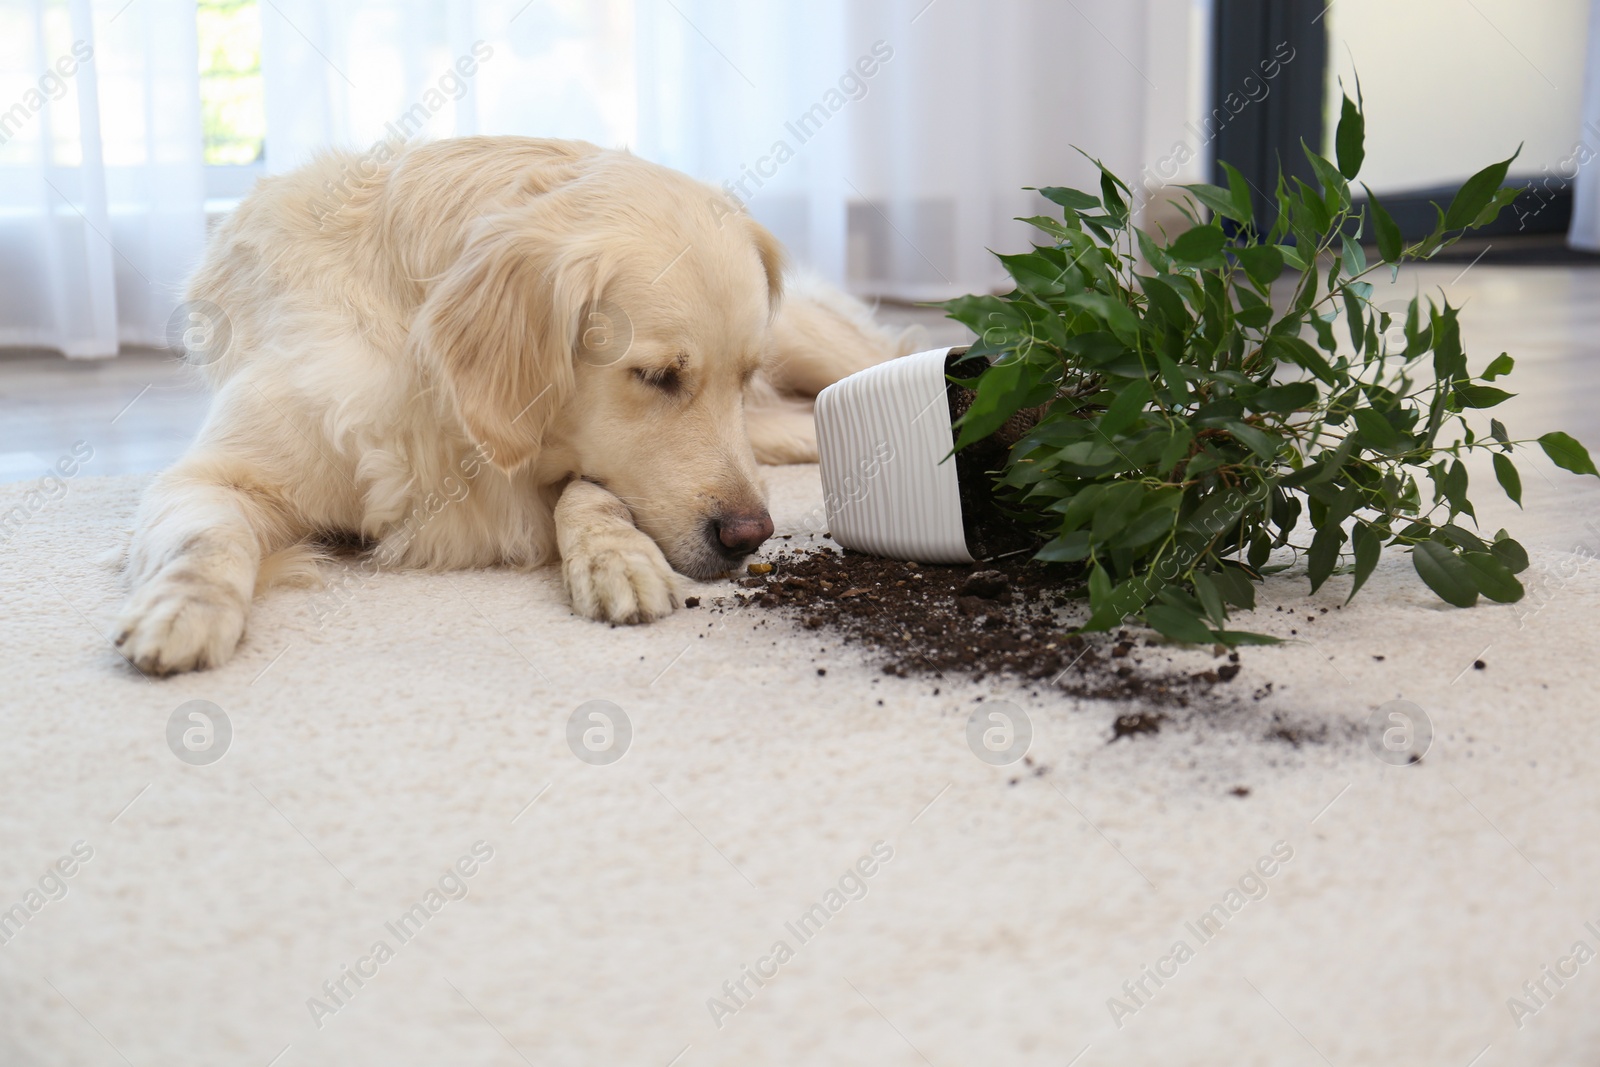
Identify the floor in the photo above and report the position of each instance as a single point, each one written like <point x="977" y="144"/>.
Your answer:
<point x="394" y="724"/>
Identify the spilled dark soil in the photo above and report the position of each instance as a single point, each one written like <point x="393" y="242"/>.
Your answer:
<point x="1003" y="617"/>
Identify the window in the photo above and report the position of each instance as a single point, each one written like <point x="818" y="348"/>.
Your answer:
<point x="232" y="105"/>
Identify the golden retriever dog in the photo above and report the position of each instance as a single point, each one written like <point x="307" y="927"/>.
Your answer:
<point x="478" y="352"/>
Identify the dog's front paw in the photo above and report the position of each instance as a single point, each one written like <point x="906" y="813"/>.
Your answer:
<point x="620" y="576"/>
<point x="169" y="626"/>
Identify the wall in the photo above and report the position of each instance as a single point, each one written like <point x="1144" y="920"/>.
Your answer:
<point x="1453" y="85"/>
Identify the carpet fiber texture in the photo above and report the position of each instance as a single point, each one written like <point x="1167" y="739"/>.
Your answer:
<point x="399" y="859"/>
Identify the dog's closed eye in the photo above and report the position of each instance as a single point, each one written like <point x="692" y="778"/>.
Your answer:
<point x="666" y="379"/>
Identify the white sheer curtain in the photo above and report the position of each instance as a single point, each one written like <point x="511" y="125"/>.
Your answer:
<point x="101" y="185"/>
<point x="885" y="141"/>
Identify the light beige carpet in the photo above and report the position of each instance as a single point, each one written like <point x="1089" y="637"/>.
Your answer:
<point x="931" y="908"/>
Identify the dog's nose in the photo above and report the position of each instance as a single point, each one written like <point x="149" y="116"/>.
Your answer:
<point x="743" y="534"/>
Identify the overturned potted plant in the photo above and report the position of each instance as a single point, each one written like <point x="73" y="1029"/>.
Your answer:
<point x="1180" y="410"/>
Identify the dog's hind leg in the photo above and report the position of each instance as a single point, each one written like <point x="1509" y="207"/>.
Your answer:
<point x="819" y="336"/>
<point x="781" y="428"/>
<point x="200" y="536"/>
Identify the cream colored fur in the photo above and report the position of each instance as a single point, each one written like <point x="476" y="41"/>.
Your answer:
<point x="484" y="351"/>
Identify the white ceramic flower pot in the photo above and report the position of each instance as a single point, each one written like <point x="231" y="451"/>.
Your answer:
<point x="889" y="482"/>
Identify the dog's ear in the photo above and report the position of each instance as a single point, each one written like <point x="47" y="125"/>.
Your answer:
<point x="501" y="327"/>
<point x="773" y="261"/>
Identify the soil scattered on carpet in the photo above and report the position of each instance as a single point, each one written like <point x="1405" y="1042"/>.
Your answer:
<point x="1009" y="616"/>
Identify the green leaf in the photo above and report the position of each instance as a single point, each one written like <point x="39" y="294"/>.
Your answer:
<point x="1435" y="240"/>
<point x="1092" y="453"/>
<point x="1220" y="201"/>
<point x="1263" y="263"/>
<point x="1513" y="555"/>
<point x="1254" y="317"/>
<point x="1176" y="384"/>
<point x="1292" y="257"/>
<point x="1497" y="430"/>
<point x="1099" y="588"/>
<point x="1260" y="549"/>
<point x="1323" y="325"/>
<point x="1116" y="207"/>
<point x="1239" y="191"/>
<point x="1154" y="520"/>
<point x="1567" y="453"/>
<point x="1493" y="579"/>
<point x="1481" y="396"/>
<point x="1419" y="338"/>
<point x="1377" y="432"/>
<point x="1478" y="192"/>
<point x="1210" y="598"/>
<point x="988" y="412"/>
<point x="1176" y="448"/>
<point x="1118" y="504"/>
<point x="1454" y="486"/>
<point x="1070" y="198"/>
<point x="1262" y="443"/>
<point x="1349" y="139"/>
<point x="1465" y="540"/>
<point x="1001" y="391"/>
<point x="1077" y="508"/>
<point x="1114" y="313"/>
<point x="977" y="313"/>
<point x="1282" y="399"/>
<point x="1502" y="364"/>
<point x="1235" y="587"/>
<point x="1324" y="554"/>
<point x="1355" y="260"/>
<point x="1296" y="351"/>
<point x="1118" y="602"/>
<point x="1048" y="225"/>
<point x="1335" y="190"/>
<point x="1199" y="244"/>
<point x="1368" y="548"/>
<point x="1095" y="224"/>
<point x="1506" y="472"/>
<point x="1497" y="204"/>
<point x="1166" y="302"/>
<point x="1355" y="317"/>
<point x="1068" y="548"/>
<point x="1316" y="216"/>
<point x="1448" y="358"/>
<point x="1445" y="573"/>
<point x="1178" y="624"/>
<point x="1390" y="243"/>
<point x="1126" y="408"/>
<point x="1245" y="637"/>
<point x="1034" y="273"/>
<point x="1152" y="252"/>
